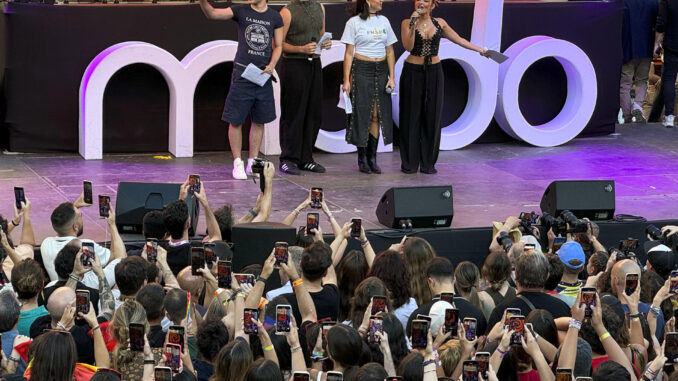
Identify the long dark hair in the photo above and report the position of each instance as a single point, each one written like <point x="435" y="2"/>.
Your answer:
<point x="361" y="9"/>
<point x="54" y="356"/>
<point x="350" y="272"/>
<point x="390" y="267"/>
<point x="344" y="345"/>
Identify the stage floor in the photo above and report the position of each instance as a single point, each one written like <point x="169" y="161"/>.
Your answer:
<point x="490" y="181"/>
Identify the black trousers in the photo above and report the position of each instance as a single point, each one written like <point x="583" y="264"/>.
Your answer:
<point x="421" y="105"/>
<point x="669" y="72"/>
<point x="301" y="95"/>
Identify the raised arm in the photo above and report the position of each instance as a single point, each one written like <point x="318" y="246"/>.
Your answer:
<point x="11" y="253"/>
<point x="453" y="36"/>
<point x="117" y="246"/>
<point x="27" y="236"/>
<point x="215" y="13"/>
<point x="254" y="296"/>
<point x="210" y="219"/>
<point x="267" y="199"/>
<point x="532" y="348"/>
<point x="407" y="33"/>
<point x="167" y="275"/>
<point x="612" y="348"/>
<point x="100" y="352"/>
<point x="339" y="240"/>
<point x="106" y="298"/>
<point x="306" y="306"/>
<point x="289" y="220"/>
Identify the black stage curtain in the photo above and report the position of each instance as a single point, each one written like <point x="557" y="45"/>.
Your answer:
<point x="49" y="47"/>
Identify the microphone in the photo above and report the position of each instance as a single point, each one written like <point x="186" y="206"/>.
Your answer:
<point x="414" y="18"/>
<point x="310" y="56"/>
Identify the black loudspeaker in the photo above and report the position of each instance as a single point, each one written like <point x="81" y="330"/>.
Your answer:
<point x="134" y="200"/>
<point x="593" y="199"/>
<point x="416" y="207"/>
<point x="253" y="243"/>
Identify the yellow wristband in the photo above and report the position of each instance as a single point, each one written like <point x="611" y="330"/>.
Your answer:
<point x="269" y="348"/>
<point x="604" y="336"/>
<point x="297" y="282"/>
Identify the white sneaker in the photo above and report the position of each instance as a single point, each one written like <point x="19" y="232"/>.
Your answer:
<point x="239" y="170"/>
<point x="248" y="170"/>
<point x="668" y="121"/>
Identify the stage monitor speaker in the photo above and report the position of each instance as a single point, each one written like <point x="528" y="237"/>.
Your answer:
<point x="416" y="207"/>
<point x="593" y="199"/>
<point x="134" y="200"/>
<point x="253" y="243"/>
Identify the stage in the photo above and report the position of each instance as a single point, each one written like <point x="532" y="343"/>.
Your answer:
<point x="490" y="181"/>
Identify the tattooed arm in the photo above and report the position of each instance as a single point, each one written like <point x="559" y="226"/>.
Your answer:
<point x="106" y="298"/>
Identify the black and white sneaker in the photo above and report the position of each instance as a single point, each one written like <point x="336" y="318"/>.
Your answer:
<point x="289" y="168"/>
<point x="312" y="167"/>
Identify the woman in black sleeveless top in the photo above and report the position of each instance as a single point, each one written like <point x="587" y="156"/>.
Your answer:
<point x="421" y="87"/>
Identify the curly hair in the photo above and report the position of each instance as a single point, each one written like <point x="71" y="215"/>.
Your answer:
<point x="350" y="272"/>
<point x="129" y="312"/>
<point x="390" y="267"/>
<point x="27" y="279"/>
<point x="598" y="262"/>
<point x="614" y="325"/>
<point x="363" y="294"/>
<point x="418" y="252"/>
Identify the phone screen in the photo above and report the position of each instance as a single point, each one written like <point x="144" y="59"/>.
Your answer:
<point x="249" y="317"/>
<point x="210" y="257"/>
<point x="470" y="328"/>
<point x="162" y="373"/>
<point x="483" y="359"/>
<point x="283" y="313"/>
<point x="245" y="278"/>
<point x="376" y="325"/>
<point x="510" y="312"/>
<point x="451" y="321"/>
<point x="224" y="274"/>
<point x="173" y="357"/>
<point x="82" y="301"/>
<point x="136" y="337"/>
<point x="19" y="196"/>
<point x="470" y="371"/>
<point x="152" y="250"/>
<point x="280" y="253"/>
<point x="326" y="327"/>
<point x="378" y="304"/>
<point x="302" y="376"/>
<point x="104" y="205"/>
<point x="631" y="283"/>
<point x="671" y="347"/>
<point x="517" y="324"/>
<point x="558" y="242"/>
<point x="87" y="192"/>
<point x="419" y="331"/>
<point x="394" y="378"/>
<point x="447" y="297"/>
<point x="194" y="183"/>
<point x="627" y="245"/>
<point x="316" y="198"/>
<point x="197" y="260"/>
<point x="312" y="221"/>
<point x="356" y="225"/>
<point x="588" y="298"/>
<point x="563" y="374"/>
<point x="175" y="335"/>
<point x="87" y="255"/>
<point x="335" y="376"/>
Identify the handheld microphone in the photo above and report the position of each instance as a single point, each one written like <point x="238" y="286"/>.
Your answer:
<point x="310" y="56"/>
<point x="414" y="18"/>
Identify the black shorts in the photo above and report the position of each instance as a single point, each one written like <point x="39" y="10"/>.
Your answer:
<point x="247" y="98"/>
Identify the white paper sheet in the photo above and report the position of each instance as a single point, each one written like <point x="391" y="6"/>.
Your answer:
<point x="325" y="37"/>
<point x="344" y="101"/>
<point x="253" y="74"/>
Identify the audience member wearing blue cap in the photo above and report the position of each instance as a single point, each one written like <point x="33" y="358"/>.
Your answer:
<point x="573" y="257"/>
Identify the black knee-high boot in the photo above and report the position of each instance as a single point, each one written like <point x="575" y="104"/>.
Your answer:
<point x="372" y="144"/>
<point x="362" y="160"/>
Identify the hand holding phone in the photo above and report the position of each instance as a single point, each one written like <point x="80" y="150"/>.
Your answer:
<point x="312" y="222"/>
<point x="250" y="315"/>
<point x="87" y="192"/>
<point x="451" y="323"/>
<point x="588" y="298"/>
<point x="316" y="198"/>
<point x="152" y="250"/>
<point x="19" y="196"/>
<point x="104" y="206"/>
<point x="517" y="324"/>
<point x="280" y="252"/>
<point x="376" y="325"/>
<point x="419" y="333"/>
<point x="283" y="319"/>
<point x="82" y="301"/>
<point x="87" y="255"/>
<point x="378" y="304"/>
<point x="175" y="335"/>
<point x="136" y="337"/>
<point x="224" y="274"/>
<point x="210" y="256"/>
<point x="172" y="355"/>
<point x="197" y="260"/>
<point x="631" y="283"/>
<point x="194" y="184"/>
<point x="356" y="227"/>
<point x="470" y="328"/>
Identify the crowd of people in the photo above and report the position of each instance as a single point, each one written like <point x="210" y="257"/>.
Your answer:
<point x="533" y="310"/>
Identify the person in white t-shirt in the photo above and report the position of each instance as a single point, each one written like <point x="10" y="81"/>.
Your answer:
<point x="369" y="79"/>
<point x="68" y="224"/>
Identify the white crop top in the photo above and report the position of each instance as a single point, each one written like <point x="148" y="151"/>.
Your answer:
<point x="370" y="37"/>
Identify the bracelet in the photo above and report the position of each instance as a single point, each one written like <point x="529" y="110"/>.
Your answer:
<point x="501" y="352"/>
<point x="574" y="323"/>
<point x="253" y="213"/>
<point x="430" y="370"/>
<point x="429" y="362"/>
<point x="296" y="212"/>
<point x="651" y="372"/>
<point x="297" y="282"/>
<point x="62" y="326"/>
<point x="319" y="353"/>
<point x="295" y="349"/>
<point x="75" y="278"/>
<point x="365" y="243"/>
<point x="268" y="348"/>
<point x="149" y="362"/>
<point x="261" y="279"/>
<point x="12" y="358"/>
<point x="362" y="331"/>
<point x="330" y="215"/>
<point x="15" y="224"/>
<point x="656" y="311"/>
<point x="604" y="336"/>
<point x="95" y="328"/>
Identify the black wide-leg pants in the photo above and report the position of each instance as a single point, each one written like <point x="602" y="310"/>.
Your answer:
<point x="421" y="105"/>
<point x="301" y="94"/>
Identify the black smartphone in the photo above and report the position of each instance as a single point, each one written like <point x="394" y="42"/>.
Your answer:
<point x="356" y="226"/>
<point x="378" y="304"/>
<point x="631" y="283"/>
<point x="510" y="312"/>
<point x="175" y="335"/>
<point x="301" y="376"/>
<point x="447" y="297"/>
<point x="210" y="256"/>
<point x="376" y="325"/>
<point x="558" y="242"/>
<point x="312" y="221"/>
<point x="451" y="321"/>
<point x="173" y="357"/>
<point x="563" y="374"/>
<point x="88" y="198"/>
<point x="280" y="253"/>
<point x="394" y="378"/>
<point x="628" y="245"/>
<point x="418" y="333"/>
<point x="671" y="347"/>
<point x="82" y="301"/>
<point x="588" y="298"/>
<point x="194" y="183"/>
<point x="316" y="198"/>
<point x="197" y="260"/>
<point x="245" y="278"/>
<point x="136" y="337"/>
<point x="517" y="324"/>
<point x="250" y="315"/>
<point x="283" y="313"/>
<point x="483" y="359"/>
<point x="19" y="196"/>
<point x="673" y="288"/>
<point x="87" y="254"/>
<point x="162" y="373"/>
<point x="152" y="250"/>
<point x="326" y="326"/>
<point x="470" y="370"/>
<point x="104" y="206"/>
<point x="335" y="376"/>
<point x="224" y="274"/>
<point x="583" y="379"/>
<point x="425" y="317"/>
<point x="470" y="328"/>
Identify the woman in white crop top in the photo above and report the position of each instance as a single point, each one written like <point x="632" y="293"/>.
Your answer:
<point x="369" y="79"/>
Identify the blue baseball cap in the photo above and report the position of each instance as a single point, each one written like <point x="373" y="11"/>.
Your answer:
<point x="571" y="251"/>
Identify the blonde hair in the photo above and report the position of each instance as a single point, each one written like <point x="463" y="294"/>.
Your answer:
<point x="418" y="252"/>
<point x="450" y="355"/>
<point x="129" y="312"/>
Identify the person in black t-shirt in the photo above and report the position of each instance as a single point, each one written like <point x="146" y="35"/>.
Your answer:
<point x="440" y="273"/>
<point x="320" y="279"/>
